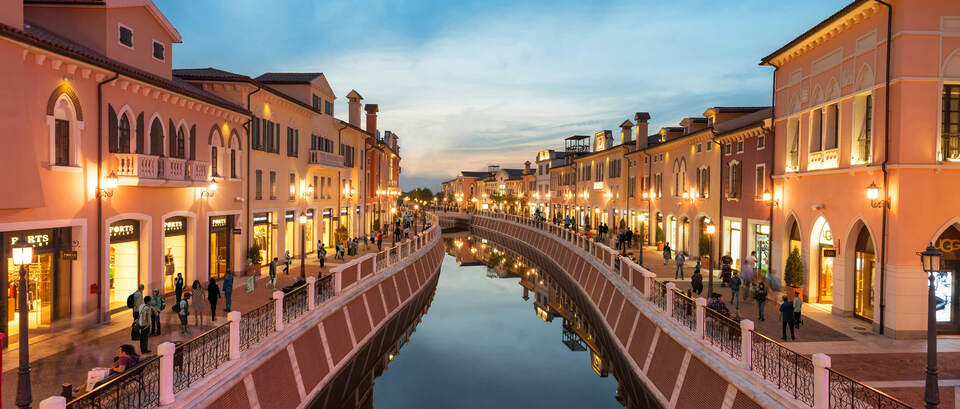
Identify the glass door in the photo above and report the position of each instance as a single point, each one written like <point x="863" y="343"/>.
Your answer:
<point x="946" y="297"/>
<point x="825" y="282"/>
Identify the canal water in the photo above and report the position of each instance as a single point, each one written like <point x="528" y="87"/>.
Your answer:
<point x="483" y="344"/>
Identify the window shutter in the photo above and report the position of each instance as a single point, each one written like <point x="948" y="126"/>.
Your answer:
<point x="112" y="128"/>
<point x="193" y="142"/>
<point x="141" y="149"/>
<point x="172" y="132"/>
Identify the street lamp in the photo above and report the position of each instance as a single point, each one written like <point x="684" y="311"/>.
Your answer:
<point x="303" y="245"/>
<point x="22" y="257"/>
<point x="873" y="193"/>
<point x="930" y="258"/>
<point x="711" y="230"/>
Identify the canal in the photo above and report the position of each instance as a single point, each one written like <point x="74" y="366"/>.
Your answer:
<point x="499" y="334"/>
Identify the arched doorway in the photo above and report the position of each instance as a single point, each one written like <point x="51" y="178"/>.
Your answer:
<point x="824" y="254"/>
<point x="946" y="281"/>
<point x="864" y="272"/>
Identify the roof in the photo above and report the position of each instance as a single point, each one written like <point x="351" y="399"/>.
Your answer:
<point x="626" y="124"/>
<point x="40" y="37"/>
<point x="473" y="174"/>
<point x="834" y="17"/>
<point x="513" y="172"/>
<point x="577" y="137"/>
<point x="744" y="121"/>
<point x="621" y="145"/>
<point x="148" y="4"/>
<point x="736" y="110"/>
<point x="288" y="77"/>
<point x="213" y="74"/>
<point x="354" y="95"/>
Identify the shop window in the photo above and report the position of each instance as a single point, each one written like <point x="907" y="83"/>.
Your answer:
<point x="48" y="278"/>
<point x="175" y="251"/>
<point x="124" y="268"/>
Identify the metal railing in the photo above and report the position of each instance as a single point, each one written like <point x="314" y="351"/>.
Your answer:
<point x="381" y="260"/>
<point x="257" y="324"/>
<point x="324" y="290"/>
<point x="846" y="393"/>
<point x="194" y="359"/>
<point x="684" y="310"/>
<point x="788" y="370"/>
<point x="722" y="332"/>
<point x="294" y="303"/>
<point x="660" y="295"/>
<point x="138" y="387"/>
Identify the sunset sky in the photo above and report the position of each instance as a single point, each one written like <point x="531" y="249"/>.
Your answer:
<point x="476" y="82"/>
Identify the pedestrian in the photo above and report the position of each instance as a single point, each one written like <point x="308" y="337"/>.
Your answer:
<point x="786" y="317"/>
<point x="735" y="290"/>
<point x="183" y="311"/>
<point x="126" y="358"/>
<point x="273" y="273"/>
<point x="667" y="254"/>
<point x="145" y="323"/>
<point x="157" y="304"/>
<point x="251" y="275"/>
<point x="761" y="296"/>
<point x="406" y="232"/>
<point x="679" y="259"/>
<point x="213" y="295"/>
<point x="178" y="286"/>
<point x="718" y="305"/>
<point x="379" y="240"/>
<point x="396" y="233"/>
<point x="321" y="254"/>
<point x="696" y="280"/>
<point x="198" y="302"/>
<point x="135" y="300"/>
<point x="748" y="272"/>
<point x="797" y="304"/>
<point x="227" y="289"/>
<point x="286" y="263"/>
<point x="366" y="243"/>
<point x="629" y="236"/>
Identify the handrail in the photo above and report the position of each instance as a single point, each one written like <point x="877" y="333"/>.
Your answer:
<point x="143" y="380"/>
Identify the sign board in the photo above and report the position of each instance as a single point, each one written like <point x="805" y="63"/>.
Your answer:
<point x="236" y="230"/>
<point x="68" y="255"/>
<point x="124" y="230"/>
<point x="175" y="226"/>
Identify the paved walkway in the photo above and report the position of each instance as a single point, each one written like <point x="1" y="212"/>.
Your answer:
<point x="66" y="356"/>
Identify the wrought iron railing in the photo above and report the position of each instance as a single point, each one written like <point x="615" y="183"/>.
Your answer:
<point x="684" y="310"/>
<point x="788" y="370"/>
<point x="194" y="359"/>
<point x="324" y="290"/>
<point x="381" y="260"/>
<point x="393" y="255"/>
<point x="137" y="388"/>
<point x="294" y="303"/>
<point x="846" y="393"/>
<point x="660" y="295"/>
<point x="257" y="324"/>
<point x="722" y="332"/>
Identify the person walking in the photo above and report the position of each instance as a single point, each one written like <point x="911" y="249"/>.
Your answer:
<point x="251" y="275"/>
<point x="797" y="305"/>
<point x="183" y="311"/>
<point x="748" y="272"/>
<point x="321" y="254"/>
<point x="213" y="295"/>
<point x="198" y="302"/>
<point x="786" y="317"/>
<point x="178" y="286"/>
<point x="135" y="300"/>
<point x="157" y="305"/>
<point x="735" y="290"/>
<point x="761" y="296"/>
<point x="286" y="263"/>
<point x="145" y="322"/>
<point x="667" y="255"/>
<point x="718" y="305"/>
<point x="379" y="240"/>
<point x="273" y="273"/>
<point x="227" y="289"/>
<point x="679" y="259"/>
<point x="696" y="280"/>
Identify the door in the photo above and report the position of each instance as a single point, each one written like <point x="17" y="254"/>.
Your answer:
<point x="825" y="281"/>
<point x="219" y="253"/>
<point x="946" y="296"/>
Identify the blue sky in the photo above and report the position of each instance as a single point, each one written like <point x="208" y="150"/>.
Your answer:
<point x="474" y="82"/>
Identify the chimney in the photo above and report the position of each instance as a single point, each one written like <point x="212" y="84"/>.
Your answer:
<point x="371" y="118"/>
<point x="394" y="141"/>
<point x="642" y="131"/>
<point x="493" y="168"/>
<point x="526" y="167"/>
<point x="625" y="134"/>
<point x="11" y="13"/>
<point x="354" y="107"/>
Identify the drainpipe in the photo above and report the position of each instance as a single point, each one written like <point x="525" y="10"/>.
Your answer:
<point x="713" y="138"/>
<point x="651" y="232"/>
<point x="248" y="223"/>
<point x="339" y="180"/>
<point x="883" y="169"/>
<point x="773" y="154"/>
<point x="99" y="195"/>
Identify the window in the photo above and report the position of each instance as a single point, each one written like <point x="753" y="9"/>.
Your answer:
<point x="214" y="164"/>
<point x="123" y="134"/>
<point x="761" y="182"/>
<point x="156" y="137"/>
<point x="709" y="146"/>
<point x="632" y="187"/>
<point x="293" y="142"/>
<point x="600" y="172"/>
<point x="831" y="133"/>
<point x="740" y="146"/>
<point x="816" y="130"/>
<point x="703" y="182"/>
<point x="126" y="36"/>
<point x="316" y="102"/>
<point x="863" y="148"/>
<point x="315" y="186"/>
<point x="233" y="163"/>
<point x="62" y="141"/>
<point x="793" y="144"/>
<point x="700" y="147"/>
<point x="268" y="135"/>
<point x="258" y="179"/>
<point x="179" y="145"/>
<point x="614" y="171"/>
<point x="293" y="186"/>
<point x="328" y="107"/>
<point x="348" y="154"/>
<point x="950" y="124"/>
<point x="158" y="50"/>
<point x="273" y="185"/>
<point x="761" y="142"/>
<point x="733" y="180"/>
<point x="727" y="148"/>
<point x="658" y="181"/>
<point x="255" y="134"/>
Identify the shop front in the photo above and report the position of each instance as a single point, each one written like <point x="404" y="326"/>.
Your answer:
<point x="48" y="277"/>
<point x="865" y="260"/>
<point x="175" y="251"/>
<point x="761" y="244"/>
<point x="309" y="233"/>
<point x="263" y="236"/>
<point x="124" y="272"/>
<point x="290" y="233"/>
<point x="946" y="282"/>
<point x="328" y="228"/>
<point x="826" y="254"/>
<point x="221" y="245"/>
<point x="733" y="240"/>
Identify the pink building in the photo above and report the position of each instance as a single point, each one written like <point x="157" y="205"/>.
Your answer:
<point x="858" y="192"/>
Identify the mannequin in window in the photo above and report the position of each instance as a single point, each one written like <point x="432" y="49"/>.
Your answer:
<point x="168" y="266"/>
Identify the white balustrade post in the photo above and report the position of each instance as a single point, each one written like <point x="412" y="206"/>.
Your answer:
<point x="234" y="318"/>
<point x="670" y="293"/>
<point x="648" y="278"/>
<point x="746" y="343"/>
<point x="701" y="316"/>
<point x="54" y="402"/>
<point x="278" y="299"/>
<point x="166" y="351"/>
<point x="821" y="381"/>
<point x="311" y="290"/>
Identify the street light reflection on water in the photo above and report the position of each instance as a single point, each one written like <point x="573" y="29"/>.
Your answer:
<point x="496" y="336"/>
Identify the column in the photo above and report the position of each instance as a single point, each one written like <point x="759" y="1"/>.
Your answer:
<point x="278" y="299"/>
<point x="701" y="316"/>
<point x="312" y="291"/>
<point x="166" y="351"/>
<point x="821" y="381"/>
<point x="648" y="278"/>
<point x="234" y="318"/>
<point x="670" y="293"/>
<point x="746" y="343"/>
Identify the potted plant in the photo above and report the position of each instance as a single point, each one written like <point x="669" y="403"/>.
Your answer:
<point x="793" y="271"/>
<point x="704" y="250"/>
<point x="254" y="258"/>
<point x="660" y="237"/>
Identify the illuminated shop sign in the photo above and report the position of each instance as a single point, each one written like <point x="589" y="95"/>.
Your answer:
<point x="175" y="226"/>
<point x="261" y="218"/>
<point x="310" y="213"/>
<point x="218" y="221"/>
<point x="288" y="216"/>
<point x="124" y="230"/>
<point x="37" y="240"/>
<point x="326" y="213"/>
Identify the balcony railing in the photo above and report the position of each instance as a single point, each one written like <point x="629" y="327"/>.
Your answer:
<point x="173" y="168"/>
<point x="325" y="158"/>
<point x="826" y="159"/>
<point x="137" y="165"/>
<point x="198" y="171"/>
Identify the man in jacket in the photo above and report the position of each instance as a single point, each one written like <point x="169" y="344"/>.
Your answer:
<point x="145" y="322"/>
<point x="227" y="289"/>
<point x="735" y="290"/>
<point x="786" y="317"/>
<point x="178" y="286"/>
<point x="156" y="305"/>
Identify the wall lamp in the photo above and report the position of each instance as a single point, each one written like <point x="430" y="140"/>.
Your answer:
<point x="110" y="185"/>
<point x="768" y="198"/>
<point x="210" y="190"/>
<point x="873" y="193"/>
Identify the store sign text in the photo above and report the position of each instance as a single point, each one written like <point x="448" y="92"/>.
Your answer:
<point x="121" y="230"/>
<point x="35" y="240"/>
<point x="218" y="222"/>
<point x="174" y="225"/>
<point x="948" y="245"/>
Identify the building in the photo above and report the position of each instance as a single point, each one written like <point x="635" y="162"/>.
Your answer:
<point x="850" y="182"/>
<point x="546" y="160"/>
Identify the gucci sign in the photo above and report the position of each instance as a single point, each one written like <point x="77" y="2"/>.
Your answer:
<point x="948" y="245"/>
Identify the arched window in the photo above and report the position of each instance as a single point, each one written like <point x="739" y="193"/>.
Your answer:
<point x="63" y="142"/>
<point x="123" y="134"/>
<point x="216" y="144"/>
<point x="235" y="157"/>
<point x="180" y="144"/>
<point x="156" y="137"/>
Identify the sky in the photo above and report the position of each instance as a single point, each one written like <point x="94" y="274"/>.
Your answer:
<point x="471" y="83"/>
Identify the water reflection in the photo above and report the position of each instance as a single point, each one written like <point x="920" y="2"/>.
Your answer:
<point x="480" y="347"/>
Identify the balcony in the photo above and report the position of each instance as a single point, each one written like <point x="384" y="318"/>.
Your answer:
<point x="324" y="158"/>
<point x="135" y="169"/>
<point x="826" y="159"/>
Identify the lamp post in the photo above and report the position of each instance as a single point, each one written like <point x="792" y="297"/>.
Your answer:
<point x="711" y="230"/>
<point x="303" y="245"/>
<point x="22" y="257"/>
<point x="930" y="258"/>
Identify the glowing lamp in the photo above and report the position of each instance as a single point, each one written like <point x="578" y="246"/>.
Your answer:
<point x="22" y="253"/>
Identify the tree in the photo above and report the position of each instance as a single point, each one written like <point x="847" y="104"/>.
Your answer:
<point x="793" y="271"/>
<point x="660" y="235"/>
<point x="421" y="194"/>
